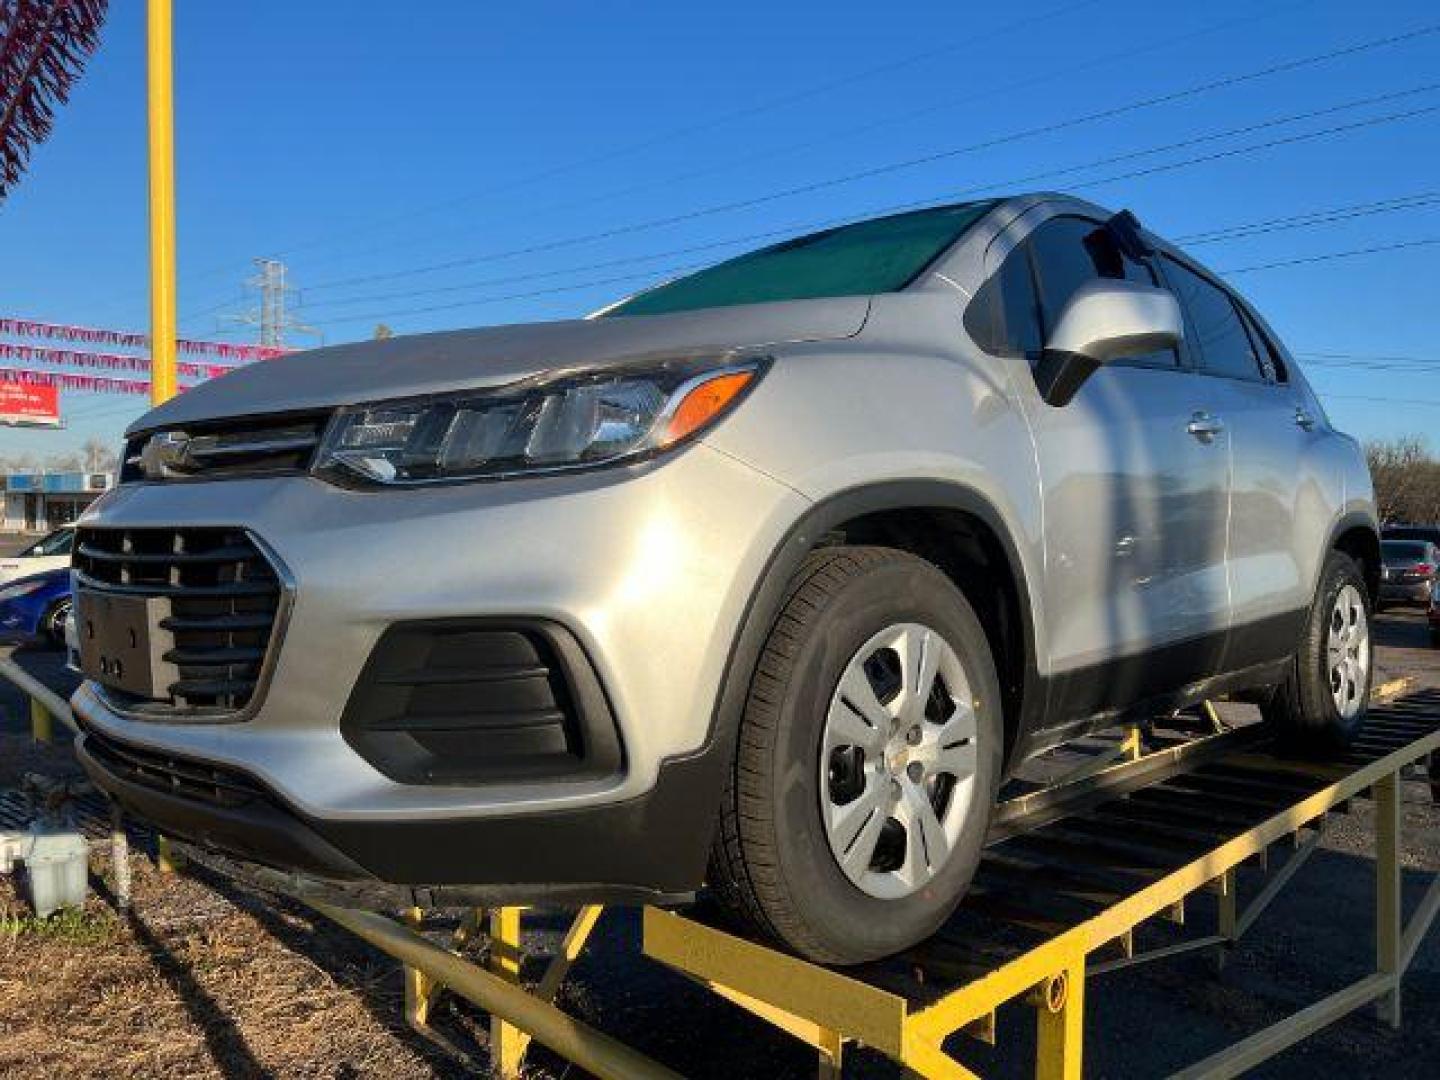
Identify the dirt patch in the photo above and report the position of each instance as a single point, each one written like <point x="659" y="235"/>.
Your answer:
<point x="195" y="983"/>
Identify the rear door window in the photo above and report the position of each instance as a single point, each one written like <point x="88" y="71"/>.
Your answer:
<point x="1218" y="337"/>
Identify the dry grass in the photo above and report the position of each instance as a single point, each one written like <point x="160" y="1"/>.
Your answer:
<point x="194" y="985"/>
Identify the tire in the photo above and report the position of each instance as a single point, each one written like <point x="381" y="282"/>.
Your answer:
<point x="1305" y="710"/>
<point x="791" y="802"/>
<point x="1435" y="637"/>
<point x="53" y="624"/>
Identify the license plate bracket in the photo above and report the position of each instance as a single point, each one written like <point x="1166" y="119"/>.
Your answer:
<point x="122" y="644"/>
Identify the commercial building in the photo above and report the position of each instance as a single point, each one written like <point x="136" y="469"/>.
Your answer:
<point x="36" y="502"/>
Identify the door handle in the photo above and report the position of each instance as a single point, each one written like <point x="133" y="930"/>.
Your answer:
<point x="1204" y="426"/>
<point x="1303" y="419"/>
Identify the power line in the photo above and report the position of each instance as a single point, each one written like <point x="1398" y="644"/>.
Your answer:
<point x="734" y="161"/>
<point x="1171" y="166"/>
<point x="1316" y="217"/>
<point x="1373" y="356"/>
<point x="1268" y="225"/>
<point x="890" y="167"/>
<point x="1332" y="255"/>
<point x="1384" y="400"/>
<point x="746" y="112"/>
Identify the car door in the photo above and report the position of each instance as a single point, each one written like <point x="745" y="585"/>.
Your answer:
<point x="1276" y="504"/>
<point x="1135" y="475"/>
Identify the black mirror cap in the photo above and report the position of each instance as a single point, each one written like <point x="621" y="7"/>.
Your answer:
<point x="1059" y="375"/>
<point x="1129" y="235"/>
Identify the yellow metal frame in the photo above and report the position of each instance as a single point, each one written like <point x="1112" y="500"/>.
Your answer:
<point x="828" y="1009"/>
<point x="794" y="993"/>
<point x="508" y="1041"/>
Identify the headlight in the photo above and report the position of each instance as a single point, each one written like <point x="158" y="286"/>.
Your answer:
<point x="19" y="589"/>
<point x="547" y="424"/>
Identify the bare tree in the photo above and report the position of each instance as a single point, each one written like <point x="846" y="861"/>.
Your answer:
<point x="64" y="462"/>
<point x="97" y="456"/>
<point x="1407" y="480"/>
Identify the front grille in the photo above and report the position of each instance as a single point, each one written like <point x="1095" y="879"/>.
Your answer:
<point x="188" y="778"/>
<point x="221" y="599"/>
<point x="229" y="449"/>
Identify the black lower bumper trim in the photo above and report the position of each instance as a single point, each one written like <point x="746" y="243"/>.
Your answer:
<point x="257" y="830"/>
<point x="649" y="848"/>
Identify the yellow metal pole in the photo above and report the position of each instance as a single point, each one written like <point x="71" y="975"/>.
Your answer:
<point x="41" y="727"/>
<point x="161" y="99"/>
<point x="507" y="1043"/>
<point x="1060" y="1035"/>
<point x="167" y="859"/>
<point x="162" y="202"/>
<point x="417" y="984"/>
<point x="1388" y="925"/>
<point x="1228" y="916"/>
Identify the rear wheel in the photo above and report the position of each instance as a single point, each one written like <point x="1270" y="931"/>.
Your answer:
<point x="868" y="761"/>
<point x="1321" y="706"/>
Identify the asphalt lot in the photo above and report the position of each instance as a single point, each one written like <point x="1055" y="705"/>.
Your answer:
<point x="1147" y="1021"/>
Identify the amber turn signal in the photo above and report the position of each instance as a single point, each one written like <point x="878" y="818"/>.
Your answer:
<point x="703" y="403"/>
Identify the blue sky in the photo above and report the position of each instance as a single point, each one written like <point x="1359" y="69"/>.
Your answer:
<point x="454" y="168"/>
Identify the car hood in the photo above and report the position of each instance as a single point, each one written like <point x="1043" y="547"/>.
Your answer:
<point x="494" y="356"/>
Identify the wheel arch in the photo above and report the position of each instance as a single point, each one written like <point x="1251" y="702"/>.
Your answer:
<point x="1358" y="536"/>
<point x="917" y="516"/>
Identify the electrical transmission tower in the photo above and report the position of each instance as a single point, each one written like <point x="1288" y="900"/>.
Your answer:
<point x="273" y="315"/>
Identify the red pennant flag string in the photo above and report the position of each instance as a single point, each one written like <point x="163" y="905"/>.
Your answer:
<point x="33" y="328"/>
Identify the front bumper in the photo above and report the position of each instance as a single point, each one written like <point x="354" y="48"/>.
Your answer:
<point x="650" y="569"/>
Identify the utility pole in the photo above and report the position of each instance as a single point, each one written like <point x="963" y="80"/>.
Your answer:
<point x="273" y="316"/>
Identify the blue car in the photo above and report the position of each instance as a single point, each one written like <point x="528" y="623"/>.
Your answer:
<point x="35" y="608"/>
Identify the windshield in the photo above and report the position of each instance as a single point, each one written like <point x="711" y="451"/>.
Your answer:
<point x="1398" y="551"/>
<point x="56" y="543"/>
<point x="877" y="256"/>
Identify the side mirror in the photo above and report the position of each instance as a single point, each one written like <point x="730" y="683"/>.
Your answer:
<point x="1104" y="320"/>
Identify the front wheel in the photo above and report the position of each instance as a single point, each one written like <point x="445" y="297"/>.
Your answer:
<point x="868" y="762"/>
<point x="53" y="624"/>
<point x="1321" y="706"/>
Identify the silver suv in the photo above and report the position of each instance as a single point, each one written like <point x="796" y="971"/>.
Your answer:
<point x="765" y="578"/>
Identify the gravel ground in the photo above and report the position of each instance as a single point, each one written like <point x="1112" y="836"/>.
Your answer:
<point x="208" y="979"/>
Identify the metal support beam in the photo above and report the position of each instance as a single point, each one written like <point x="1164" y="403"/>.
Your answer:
<point x="1227" y="917"/>
<point x="418" y="988"/>
<point x="167" y="859"/>
<point x="507" y="1045"/>
<point x="1419" y="924"/>
<point x="1060" y="1032"/>
<point x="1279" y="880"/>
<point x="591" y="1050"/>
<point x="1388" y="925"/>
<point x="120" y="858"/>
<point x="41" y="728"/>
<point x="1263" y="1045"/>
